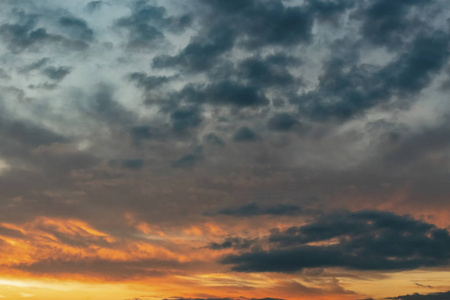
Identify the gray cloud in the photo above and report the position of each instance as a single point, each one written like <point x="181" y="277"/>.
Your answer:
<point x="389" y="23"/>
<point x="114" y="270"/>
<point x="56" y="74"/>
<point x="213" y="140"/>
<point x="24" y="35"/>
<point x="245" y="134"/>
<point x="365" y="240"/>
<point x="189" y="160"/>
<point x="147" y="22"/>
<point x="77" y="28"/>
<point x="417" y="296"/>
<point x="245" y="109"/>
<point x="254" y="209"/>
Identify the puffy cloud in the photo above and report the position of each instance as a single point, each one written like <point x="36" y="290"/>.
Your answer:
<point x="137" y="117"/>
<point x="78" y="28"/>
<point x="147" y="22"/>
<point x="24" y="35"/>
<point x="364" y="240"/>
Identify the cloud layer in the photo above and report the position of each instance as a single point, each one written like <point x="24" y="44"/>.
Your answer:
<point x="269" y="148"/>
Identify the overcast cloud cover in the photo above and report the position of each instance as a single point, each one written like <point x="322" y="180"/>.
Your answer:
<point x="212" y="149"/>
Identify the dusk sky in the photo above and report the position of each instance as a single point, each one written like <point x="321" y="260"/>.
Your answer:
<point x="225" y="149"/>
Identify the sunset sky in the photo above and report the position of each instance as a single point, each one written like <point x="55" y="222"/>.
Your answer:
<point x="225" y="149"/>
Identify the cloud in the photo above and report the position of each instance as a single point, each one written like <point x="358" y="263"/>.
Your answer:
<point x="233" y="93"/>
<point x="245" y="134"/>
<point x="347" y="90"/>
<point x="417" y="296"/>
<point x="133" y="164"/>
<point x="241" y="109"/>
<point x="24" y="35"/>
<point x="201" y="53"/>
<point x="4" y="75"/>
<point x="35" y="65"/>
<point x="93" y="6"/>
<point x="56" y="74"/>
<point x="185" y="118"/>
<point x="77" y="28"/>
<point x="233" y="243"/>
<point x="254" y="209"/>
<point x="328" y="10"/>
<point x="390" y="23"/>
<point x="144" y="132"/>
<point x="364" y="240"/>
<point x="264" y="23"/>
<point x="102" y="104"/>
<point x="213" y="140"/>
<point x="147" y="22"/>
<point x="111" y="269"/>
<point x="149" y="82"/>
<point x="189" y="160"/>
<point x="282" y="122"/>
<point x="269" y="71"/>
<point x="23" y="134"/>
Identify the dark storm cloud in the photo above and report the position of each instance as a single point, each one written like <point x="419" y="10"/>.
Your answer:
<point x="233" y="93"/>
<point x="220" y="94"/>
<point x="232" y="243"/>
<point x="270" y="71"/>
<point x="149" y="83"/>
<point x="147" y="22"/>
<point x="389" y="23"/>
<point x="346" y="90"/>
<point x="24" y="35"/>
<point x="58" y="73"/>
<point x="364" y="240"/>
<point x="264" y="23"/>
<point x="254" y="209"/>
<point x="202" y="53"/>
<point x="413" y="70"/>
<point x="245" y="134"/>
<point x="77" y="28"/>
<point x="184" y="118"/>
<point x="282" y="122"/>
<point x="417" y="296"/>
<point x="254" y="23"/>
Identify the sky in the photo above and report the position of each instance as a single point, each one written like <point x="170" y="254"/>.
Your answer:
<point x="224" y="150"/>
